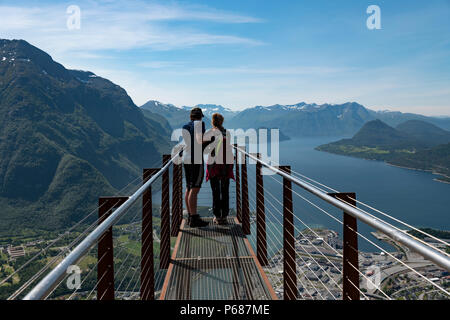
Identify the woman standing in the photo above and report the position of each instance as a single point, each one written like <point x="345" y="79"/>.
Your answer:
<point x="219" y="169"/>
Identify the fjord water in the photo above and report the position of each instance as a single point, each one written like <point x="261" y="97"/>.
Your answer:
<point x="409" y="195"/>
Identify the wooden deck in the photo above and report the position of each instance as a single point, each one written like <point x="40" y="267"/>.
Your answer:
<point x="215" y="263"/>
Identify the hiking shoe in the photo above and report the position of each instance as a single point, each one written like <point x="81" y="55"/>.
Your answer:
<point x="220" y="221"/>
<point x="195" y="221"/>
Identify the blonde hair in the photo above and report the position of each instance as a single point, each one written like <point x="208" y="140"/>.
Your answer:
<point x="217" y="120"/>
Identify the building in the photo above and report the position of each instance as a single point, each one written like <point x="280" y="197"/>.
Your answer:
<point x="311" y="276"/>
<point x="314" y="267"/>
<point x="334" y="270"/>
<point x="317" y="241"/>
<point x="367" y="263"/>
<point x="16" y="252"/>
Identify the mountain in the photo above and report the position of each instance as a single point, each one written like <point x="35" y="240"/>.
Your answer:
<point x="210" y="109"/>
<point x="425" y="132"/>
<point x="306" y="119"/>
<point x="377" y="140"/>
<point x="66" y="138"/>
<point x="412" y="135"/>
<point x="394" y="118"/>
<point x="376" y="133"/>
<point x="310" y="120"/>
<point x="281" y="135"/>
<point x="413" y="144"/>
<point x="301" y="119"/>
<point x="176" y="117"/>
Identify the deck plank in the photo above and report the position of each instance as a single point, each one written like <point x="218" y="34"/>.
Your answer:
<point x="215" y="263"/>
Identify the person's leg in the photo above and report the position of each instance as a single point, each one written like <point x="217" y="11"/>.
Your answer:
<point x="186" y="199"/>
<point x="192" y="199"/>
<point x="195" y="182"/>
<point x="188" y="175"/>
<point x="194" y="219"/>
<point x="225" y="190"/>
<point x="219" y="183"/>
<point x="215" y="188"/>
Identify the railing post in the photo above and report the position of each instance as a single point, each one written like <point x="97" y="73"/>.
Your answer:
<point x="350" y="274"/>
<point x="176" y="209"/>
<point x="238" y="186"/>
<point x="105" y="252"/>
<point x="261" y="240"/>
<point x="180" y="195"/>
<point x="245" y="204"/>
<point x="165" y="218"/>
<point x="289" y="255"/>
<point x="147" y="265"/>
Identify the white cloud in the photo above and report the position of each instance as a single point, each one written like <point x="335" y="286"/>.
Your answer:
<point x="120" y="25"/>
<point x="158" y="12"/>
<point x="293" y="70"/>
<point x="238" y="93"/>
<point x="160" y="64"/>
<point x="110" y="29"/>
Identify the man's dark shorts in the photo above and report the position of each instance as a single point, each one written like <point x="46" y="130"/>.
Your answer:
<point x="194" y="175"/>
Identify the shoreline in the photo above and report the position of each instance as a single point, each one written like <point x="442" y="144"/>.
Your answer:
<point x="441" y="181"/>
<point x="423" y="170"/>
<point x="409" y="168"/>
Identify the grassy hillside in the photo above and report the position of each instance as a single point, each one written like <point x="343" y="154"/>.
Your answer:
<point x="425" y="132"/>
<point x="66" y="137"/>
<point x="411" y="145"/>
<point x="436" y="159"/>
<point x="376" y="140"/>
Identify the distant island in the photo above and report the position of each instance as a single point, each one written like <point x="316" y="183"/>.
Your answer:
<point x="442" y="234"/>
<point x="414" y="144"/>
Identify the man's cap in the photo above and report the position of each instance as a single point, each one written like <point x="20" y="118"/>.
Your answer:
<point x="197" y="112"/>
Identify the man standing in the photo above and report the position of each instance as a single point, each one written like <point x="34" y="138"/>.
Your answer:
<point x="194" y="164"/>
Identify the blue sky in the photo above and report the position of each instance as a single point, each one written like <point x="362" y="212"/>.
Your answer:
<point x="246" y="53"/>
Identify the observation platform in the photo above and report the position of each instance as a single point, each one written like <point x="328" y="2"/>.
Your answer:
<point x="215" y="263"/>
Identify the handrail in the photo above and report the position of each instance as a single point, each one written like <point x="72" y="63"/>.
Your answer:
<point x="426" y="251"/>
<point x="51" y="280"/>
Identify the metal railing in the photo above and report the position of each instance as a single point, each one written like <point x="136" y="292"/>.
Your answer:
<point x="53" y="278"/>
<point x="289" y="247"/>
<point x="344" y="202"/>
<point x="426" y="251"/>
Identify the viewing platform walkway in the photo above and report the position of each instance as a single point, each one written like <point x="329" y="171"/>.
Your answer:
<point x="216" y="262"/>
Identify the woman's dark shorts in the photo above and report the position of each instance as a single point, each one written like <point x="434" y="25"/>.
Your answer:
<point x="194" y="175"/>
